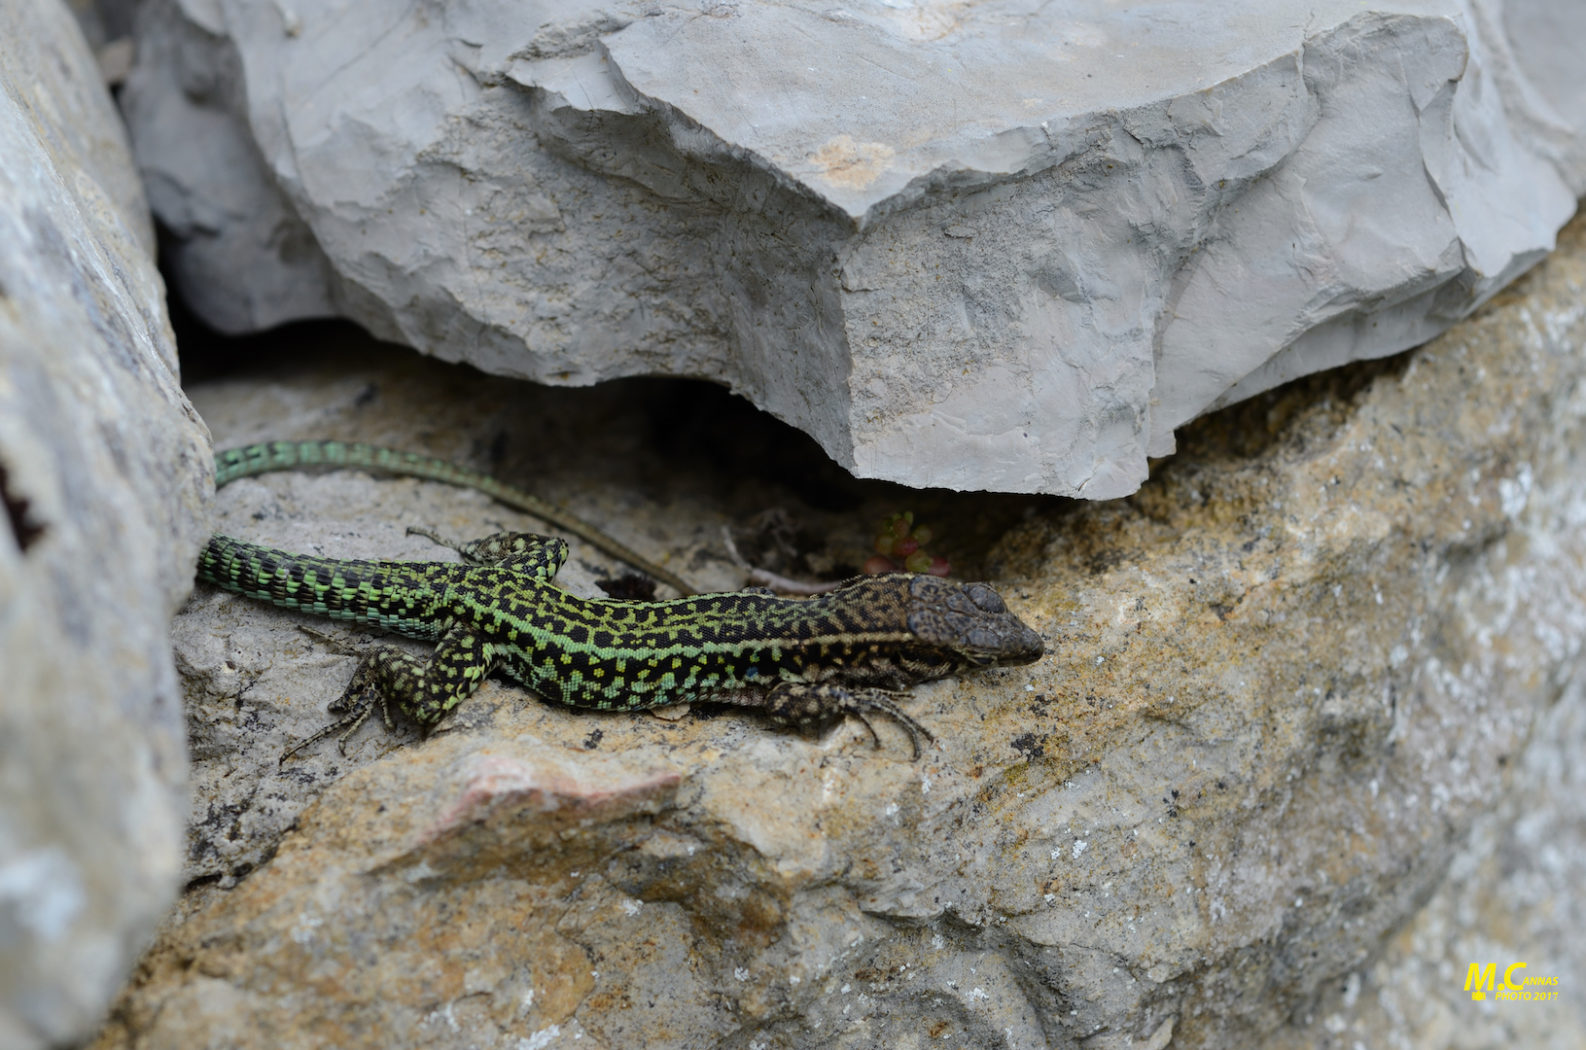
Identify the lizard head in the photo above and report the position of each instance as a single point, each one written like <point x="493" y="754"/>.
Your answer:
<point x="890" y="632"/>
<point x="970" y="621"/>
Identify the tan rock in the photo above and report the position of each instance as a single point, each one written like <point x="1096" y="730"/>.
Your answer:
<point x="1286" y="681"/>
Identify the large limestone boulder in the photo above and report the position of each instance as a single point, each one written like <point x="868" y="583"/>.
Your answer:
<point x="1003" y="246"/>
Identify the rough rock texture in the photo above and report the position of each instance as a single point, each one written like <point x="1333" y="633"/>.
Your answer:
<point x="1287" y="680"/>
<point x="1512" y="895"/>
<point x="103" y="466"/>
<point x="1002" y="246"/>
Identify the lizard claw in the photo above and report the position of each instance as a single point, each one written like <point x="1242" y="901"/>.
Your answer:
<point x="877" y="701"/>
<point x="818" y="703"/>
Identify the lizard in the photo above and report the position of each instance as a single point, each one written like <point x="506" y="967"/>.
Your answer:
<point x="801" y="662"/>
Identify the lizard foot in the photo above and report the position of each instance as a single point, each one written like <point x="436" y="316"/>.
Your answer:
<point x="814" y="704"/>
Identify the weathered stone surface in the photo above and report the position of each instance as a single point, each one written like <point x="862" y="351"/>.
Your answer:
<point x="1512" y="896"/>
<point x="102" y="469"/>
<point x="1006" y="246"/>
<point x="1287" y="680"/>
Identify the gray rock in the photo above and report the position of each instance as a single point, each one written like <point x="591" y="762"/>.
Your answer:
<point x="1007" y="246"/>
<point x="103" y="467"/>
<point x="103" y="22"/>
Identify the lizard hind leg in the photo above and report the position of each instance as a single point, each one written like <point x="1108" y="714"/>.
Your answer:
<point x="816" y="704"/>
<point x="356" y="703"/>
<point x="527" y="552"/>
<point x="423" y="688"/>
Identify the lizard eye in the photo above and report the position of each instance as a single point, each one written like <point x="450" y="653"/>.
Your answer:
<point x="985" y="599"/>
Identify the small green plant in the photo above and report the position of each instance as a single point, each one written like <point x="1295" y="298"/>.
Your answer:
<point x="900" y="546"/>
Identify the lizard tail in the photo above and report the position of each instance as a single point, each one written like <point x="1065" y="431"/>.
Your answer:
<point x="269" y="456"/>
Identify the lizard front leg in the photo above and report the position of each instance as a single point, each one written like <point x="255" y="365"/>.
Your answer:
<point x="807" y="705"/>
<point x="423" y="688"/>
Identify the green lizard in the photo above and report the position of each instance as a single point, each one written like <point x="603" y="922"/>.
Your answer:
<point x="799" y="661"/>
